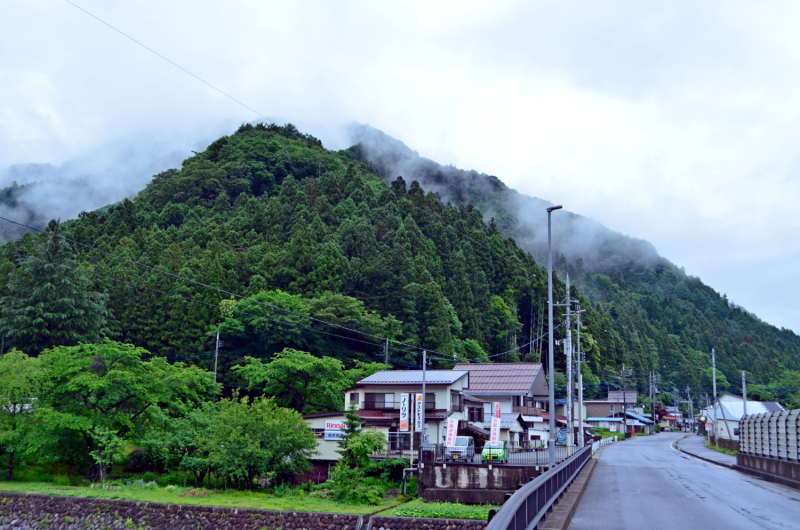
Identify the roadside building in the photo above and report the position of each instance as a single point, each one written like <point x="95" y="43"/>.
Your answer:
<point x="729" y="410"/>
<point x="615" y="402"/>
<point x="518" y="387"/>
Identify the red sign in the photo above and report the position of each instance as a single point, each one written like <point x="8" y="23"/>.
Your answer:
<point x="494" y="434"/>
<point x="334" y="425"/>
<point x="497" y="409"/>
<point x="452" y="431"/>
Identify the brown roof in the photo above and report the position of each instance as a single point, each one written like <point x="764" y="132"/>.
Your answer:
<point x="502" y="378"/>
<point x="616" y="396"/>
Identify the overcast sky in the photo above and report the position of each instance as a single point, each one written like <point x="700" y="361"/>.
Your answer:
<point x="672" y="122"/>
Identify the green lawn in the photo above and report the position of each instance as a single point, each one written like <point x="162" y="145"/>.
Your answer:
<point x="297" y="500"/>
<point x="442" y="510"/>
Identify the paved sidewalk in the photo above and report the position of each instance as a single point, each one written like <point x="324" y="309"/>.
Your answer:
<point x="695" y="445"/>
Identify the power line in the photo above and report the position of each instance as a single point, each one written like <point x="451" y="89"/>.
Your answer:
<point x="170" y="61"/>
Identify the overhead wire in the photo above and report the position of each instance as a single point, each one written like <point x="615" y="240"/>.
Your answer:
<point x="170" y="61"/>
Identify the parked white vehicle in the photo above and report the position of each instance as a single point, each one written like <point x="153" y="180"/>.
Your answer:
<point x="464" y="449"/>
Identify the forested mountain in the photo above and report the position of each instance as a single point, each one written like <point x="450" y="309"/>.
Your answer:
<point x="429" y="259"/>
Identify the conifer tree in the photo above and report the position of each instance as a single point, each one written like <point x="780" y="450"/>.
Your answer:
<point x="51" y="303"/>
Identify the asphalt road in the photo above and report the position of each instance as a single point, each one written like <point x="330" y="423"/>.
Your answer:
<point x="645" y="484"/>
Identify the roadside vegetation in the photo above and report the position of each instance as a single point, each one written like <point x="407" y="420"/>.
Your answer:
<point x="442" y="510"/>
<point x="721" y="449"/>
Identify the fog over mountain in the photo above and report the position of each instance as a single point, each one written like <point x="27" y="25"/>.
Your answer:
<point x="517" y="215"/>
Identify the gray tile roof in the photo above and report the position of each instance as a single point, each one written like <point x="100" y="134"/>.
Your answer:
<point x="616" y="395"/>
<point x="413" y="377"/>
<point x="502" y="378"/>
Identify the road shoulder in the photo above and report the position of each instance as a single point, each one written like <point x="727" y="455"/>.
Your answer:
<point x="694" y="445"/>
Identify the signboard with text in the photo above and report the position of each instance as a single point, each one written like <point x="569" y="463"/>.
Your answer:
<point x="418" y="402"/>
<point x="494" y="434"/>
<point x="612" y="428"/>
<point x="452" y="432"/>
<point x="496" y="409"/>
<point x="405" y="413"/>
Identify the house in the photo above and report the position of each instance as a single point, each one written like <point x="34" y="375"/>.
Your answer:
<point x="518" y="387"/>
<point x="668" y="421"/>
<point x="612" y="424"/>
<point x="512" y="428"/>
<point x="616" y="401"/>
<point x="376" y="399"/>
<point x="635" y="422"/>
<point x="729" y="410"/>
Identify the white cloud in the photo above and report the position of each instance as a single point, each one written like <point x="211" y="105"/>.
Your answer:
<point x="673" y="123"/>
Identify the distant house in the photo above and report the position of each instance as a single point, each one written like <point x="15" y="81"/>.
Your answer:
<point x="635" y="422"/>
<point x="729" y="410"/>
<point x="616" y="402"/>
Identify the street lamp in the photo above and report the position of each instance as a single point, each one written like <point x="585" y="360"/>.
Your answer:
<point x="550" y="363"/>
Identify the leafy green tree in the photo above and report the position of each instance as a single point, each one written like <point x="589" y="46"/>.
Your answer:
<point x="298" y="380"/>
<point x="51" y="302"/>
<point x="107" y="394"/>
<point x="355" y="447"/>
<point x="19" y="391"/>
<point x="246" y="440"/>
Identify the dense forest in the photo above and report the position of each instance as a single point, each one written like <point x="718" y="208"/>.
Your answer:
<point x="276" y="242"/>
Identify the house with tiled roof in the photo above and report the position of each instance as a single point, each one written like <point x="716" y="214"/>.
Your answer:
<point x="521" y="390"/>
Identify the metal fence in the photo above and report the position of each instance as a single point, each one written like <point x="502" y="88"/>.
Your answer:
<point x="772" y="435"/>
<point x="528" y="506"/>
<point x="602" y="443"/>
<point x="512" y="454"/>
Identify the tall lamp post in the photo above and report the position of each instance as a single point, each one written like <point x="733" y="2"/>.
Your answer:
<point x="550" y="363"/>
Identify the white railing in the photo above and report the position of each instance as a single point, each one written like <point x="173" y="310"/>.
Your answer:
<point x="602" y="443"/>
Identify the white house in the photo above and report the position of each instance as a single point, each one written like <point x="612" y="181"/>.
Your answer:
<point x="729" y="410"/>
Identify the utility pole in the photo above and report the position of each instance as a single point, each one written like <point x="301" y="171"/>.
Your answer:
<point x="625" y="373"/>
<point x="744" y="392"/>
<point x="691" y="409"/>
<point x="721" y="408"/>
<point x="386" y="352"/>
<point x="580" y="360"/>
<point x="216" y="355"/>
<point x="570" y="383"/>
<point x="714" y="380"/>
<point x="650" y="395"/>
<point x="550" y="363"/>
<point x="424" y="370"/>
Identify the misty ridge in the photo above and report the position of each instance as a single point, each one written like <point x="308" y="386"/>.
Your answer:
<point x="516" y="215"/>
<point x="34" y="194"/>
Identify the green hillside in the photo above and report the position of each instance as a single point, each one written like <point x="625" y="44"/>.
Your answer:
<point x="271" y="215"/>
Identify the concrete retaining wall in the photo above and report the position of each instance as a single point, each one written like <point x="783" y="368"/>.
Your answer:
<point x="772" y="469"/>
<point x="472" y="484"/>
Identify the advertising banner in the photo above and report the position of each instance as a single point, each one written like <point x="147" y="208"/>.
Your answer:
<point x="452" y="431"/>
<point x="612" y="428"/>
<point x="496" y="409"/>
<point x="418" y="412"/>
<point x="494" y="434"/>
<point x="405" y="413"/>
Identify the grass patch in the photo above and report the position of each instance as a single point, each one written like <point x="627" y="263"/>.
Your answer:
<point x="297" y="500"/>
<point x="721" y="449"/>
<point x="441" y="510"/>
<point x="605" y="433"/>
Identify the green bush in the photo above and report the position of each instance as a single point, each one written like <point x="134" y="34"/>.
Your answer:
<point x="387" y="469"/>
<point x="149" y="476"/>
<point x="340" y="487"/>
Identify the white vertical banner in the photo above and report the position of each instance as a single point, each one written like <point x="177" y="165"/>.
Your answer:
<point x="405" y="413"/>
<point x="494" y="434"/>
<point x="418" y="403"/>
<point x="452" y="431"/>
<point x="496" y="409"/>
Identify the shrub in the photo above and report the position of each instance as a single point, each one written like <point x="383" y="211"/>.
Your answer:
<point x="390" y="469"/>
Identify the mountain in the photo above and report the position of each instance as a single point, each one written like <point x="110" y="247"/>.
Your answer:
<point x="439" y="258"/>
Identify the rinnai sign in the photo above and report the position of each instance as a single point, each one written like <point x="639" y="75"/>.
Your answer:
<point x="494" y="434"/>
<point x="335" y="425"/>
<point x="405" y="413"/>
<point x="452" y="431"/>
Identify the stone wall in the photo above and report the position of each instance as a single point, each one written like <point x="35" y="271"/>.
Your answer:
<point x="26" y="511"/>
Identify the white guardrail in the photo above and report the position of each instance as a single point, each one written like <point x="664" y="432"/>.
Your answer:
<point x="605" y="441"/>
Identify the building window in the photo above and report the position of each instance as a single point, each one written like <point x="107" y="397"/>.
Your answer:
<point x="354" y="399"/>
<point x="456" y="401"/>
<point x="430" y="401"/>
<point x="378" y="401"/>
<point x="475" y="414"/>
<point x="515" y="401"/>
<point x="612" y="408"/>
<point x="318" y="433"/>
